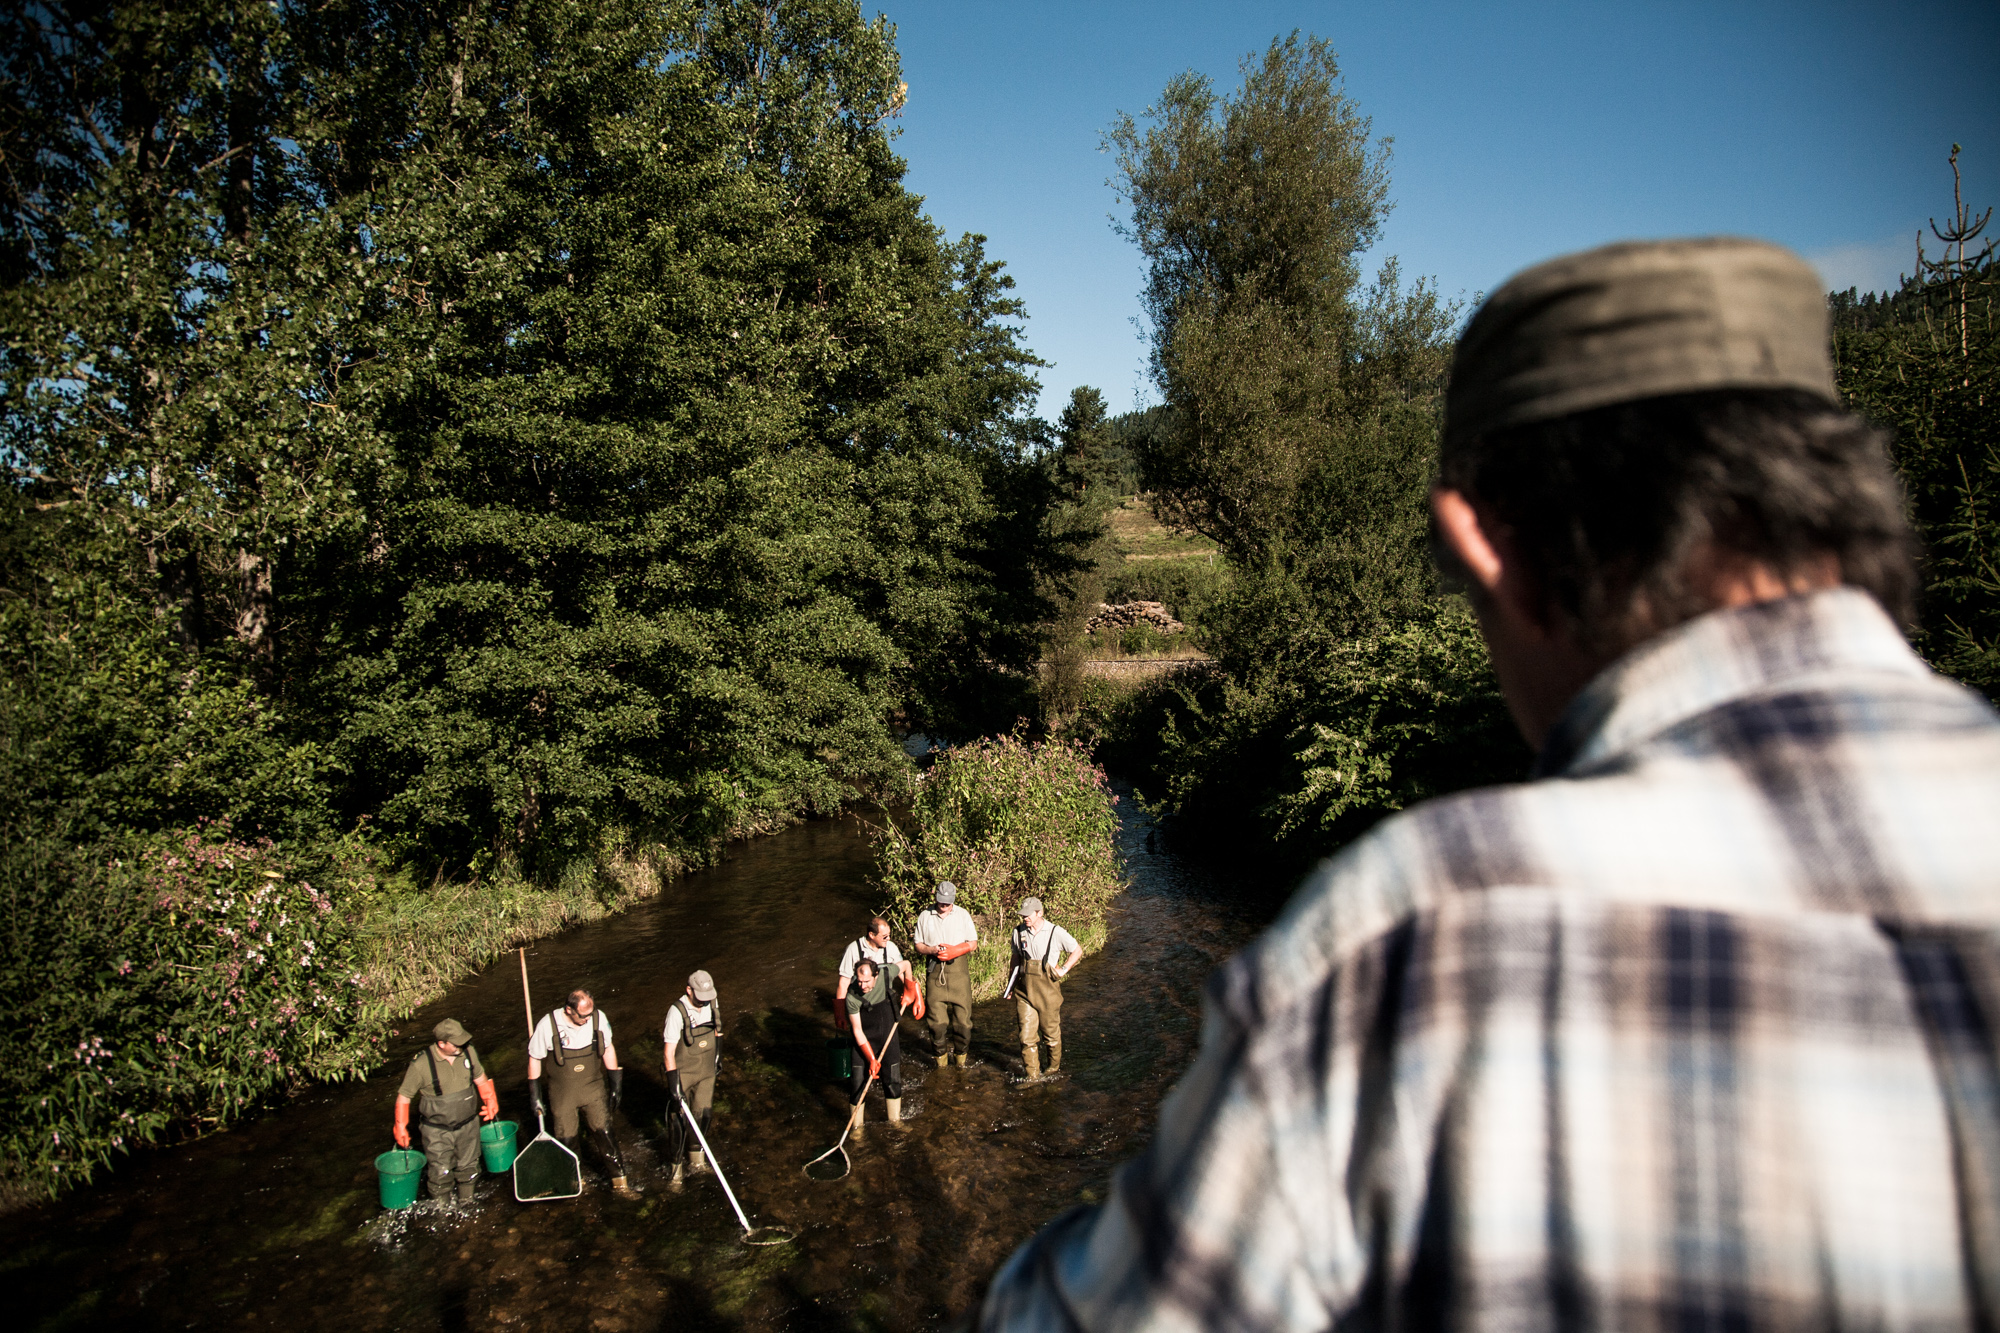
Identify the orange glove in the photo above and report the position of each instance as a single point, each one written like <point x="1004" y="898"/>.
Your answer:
<point x="955" y="951"/>
<point x="401" y="1129"/>
<point x="489" y="1100"/>
<point x="875" y="1067"/>
<point x="913" y="998"/>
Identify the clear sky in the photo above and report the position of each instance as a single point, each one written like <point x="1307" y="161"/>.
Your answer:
<point x="1521" y="131"/>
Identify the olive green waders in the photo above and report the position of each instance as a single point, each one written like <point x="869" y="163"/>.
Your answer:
<point x="576" y="1085"/>
<point x="448" y="1126"/>
<point x="948" y="1006"/>
<point x="697" y="1052"/>
<point x="1038" y="1004"/>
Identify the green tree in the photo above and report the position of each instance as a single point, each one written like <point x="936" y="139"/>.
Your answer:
<point x="1925" y="363"/>
<point x="1298" y="431"/>
<point x="1301" y="403"/>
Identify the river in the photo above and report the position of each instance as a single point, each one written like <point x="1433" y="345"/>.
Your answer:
<point x="275" y="1223"/>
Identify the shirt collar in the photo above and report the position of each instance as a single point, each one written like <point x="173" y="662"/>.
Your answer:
<point x="1721" y="656"/>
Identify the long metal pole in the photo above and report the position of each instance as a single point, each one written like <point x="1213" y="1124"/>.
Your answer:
<point x="526" y="1003"/>
<point x="689" y="1115"/>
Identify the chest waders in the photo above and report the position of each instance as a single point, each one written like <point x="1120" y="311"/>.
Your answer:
<point x="448" y="1122"/>
<point x="948" y="998"/>
<point x="697" y="1056"/>
<point x="1039" y="1007"/>
<point x="576" y="1087"/>
<point x="449" y="1110"/>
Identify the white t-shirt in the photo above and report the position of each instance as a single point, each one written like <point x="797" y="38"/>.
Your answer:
<point x="886" y="957"/>
<point x="575" y="1036"/>
<point x="1049" y="943"/>
<point x="954" y="929"/>
<point x="703" y="1014"/>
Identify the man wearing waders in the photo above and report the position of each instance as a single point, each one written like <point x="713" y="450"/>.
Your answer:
<point x="457" y="1095"/>
<point x="692" y="1041"/>
<point x="873" y="1006"/>
<point x="878" y="948"/>
<point x="945" y="935"/>
<point x="1039" y="946"/>
<point x="572" y="1048"/>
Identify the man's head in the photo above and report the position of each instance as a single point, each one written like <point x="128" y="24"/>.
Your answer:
<point x="1031" y="912"/>
<point x="878" y="931"/>
<point x="864" y="975"/>
<point x="1638" y="434"/>
<point x="947" y="894"/>
<point x="451" y="1036"/>
<point x="579" y="1003"/>
<point x="701" y="986"/>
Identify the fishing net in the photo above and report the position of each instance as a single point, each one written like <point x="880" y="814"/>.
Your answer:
<point x="829" y="1165"/>
<point x="546" y="1170"/>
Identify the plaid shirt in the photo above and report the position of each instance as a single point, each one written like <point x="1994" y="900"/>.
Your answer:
<point x="1696" y="1031"/>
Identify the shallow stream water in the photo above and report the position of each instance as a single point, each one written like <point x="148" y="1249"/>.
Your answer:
<point x="275" y="1223"/>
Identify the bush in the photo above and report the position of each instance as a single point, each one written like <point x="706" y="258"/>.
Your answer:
<point x="179" y="983"/>
<point x="1301" y="762"/>
<point x="1005" y="819"/>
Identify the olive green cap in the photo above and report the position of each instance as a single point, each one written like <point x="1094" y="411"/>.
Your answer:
<point x="453" y="1031"/>
<point x="1638" y="320"/>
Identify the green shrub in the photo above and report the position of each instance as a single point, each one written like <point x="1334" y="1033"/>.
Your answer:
<point x="1006" y="819"/>
<point x="179" y="983"/>
<point x="1300" y="762"/>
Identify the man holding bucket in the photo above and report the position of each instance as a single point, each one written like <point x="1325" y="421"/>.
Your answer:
<point x="572" y="1047"/>
<point x="1039" y="946"/>
<point x="945" y="935"/>
<point x="692" y="1039"/>
<point x="457" y="1095"/>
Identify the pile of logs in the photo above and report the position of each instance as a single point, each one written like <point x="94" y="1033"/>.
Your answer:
<point x="1126" y="614"/>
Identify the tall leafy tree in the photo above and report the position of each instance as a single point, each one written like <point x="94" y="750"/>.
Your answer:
<point x="1301" y="401"/>
<point x="706" y="441"/>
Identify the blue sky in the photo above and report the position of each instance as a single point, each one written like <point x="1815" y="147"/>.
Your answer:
<point x="1520" y="132"/>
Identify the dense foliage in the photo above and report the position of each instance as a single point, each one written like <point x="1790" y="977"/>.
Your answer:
<point x="1004" y="819"/>
<point x="177" y="983"/>
<point x="1924" y="362"/>
<point x="543" y="434"/>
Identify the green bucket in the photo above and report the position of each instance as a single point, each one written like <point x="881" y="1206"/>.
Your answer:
<point x="398" y="1172"/>
<point x="496" y="1145"/>
<point x="840" y="1054"/>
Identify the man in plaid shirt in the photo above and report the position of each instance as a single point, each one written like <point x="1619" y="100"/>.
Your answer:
<point x="1694" y="1030"/>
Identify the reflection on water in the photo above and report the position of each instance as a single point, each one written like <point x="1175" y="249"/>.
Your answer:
<point x="275" y="1223"/>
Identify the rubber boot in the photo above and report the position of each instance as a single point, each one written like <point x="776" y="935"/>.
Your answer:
<point x="895" y="1108"/>
<point x="1031" y="1061"/>
<point x="860" y="1115"/>
<point x="943" y="1060"/>
<point x="678" y="1175"/>
<point x="697" y="1161"/>
<point x="608" y="1146"/>
<point x="959" y="1059"/>
<point x="1055" y="1056"/>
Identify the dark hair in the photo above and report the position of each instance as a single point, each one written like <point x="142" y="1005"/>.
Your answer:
<point x="574" y="996"/>
<point x="1606" y="506"/>
<point x="866" y="962"/>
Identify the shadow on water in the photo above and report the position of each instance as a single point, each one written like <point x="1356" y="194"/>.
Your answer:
<point x="275" y="1223"/>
